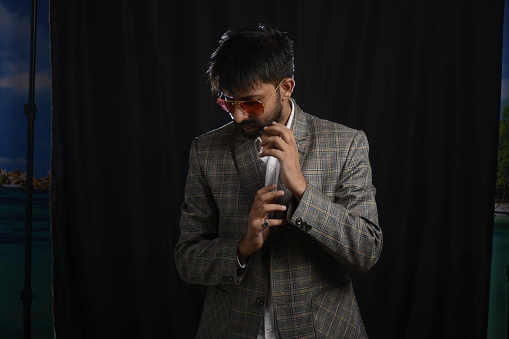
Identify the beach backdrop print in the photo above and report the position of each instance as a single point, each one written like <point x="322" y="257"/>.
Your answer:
<point x="15" y="27"/>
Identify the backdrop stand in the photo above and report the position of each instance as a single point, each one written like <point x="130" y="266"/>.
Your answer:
<point x="26" y="294"/>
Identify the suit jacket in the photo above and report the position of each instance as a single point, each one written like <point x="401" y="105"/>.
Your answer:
<point x="333" y="229"/>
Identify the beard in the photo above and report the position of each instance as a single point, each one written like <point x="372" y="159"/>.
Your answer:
<point x="256" y="126"/>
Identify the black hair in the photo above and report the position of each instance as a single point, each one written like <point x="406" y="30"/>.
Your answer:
<point x="249" y="57"/>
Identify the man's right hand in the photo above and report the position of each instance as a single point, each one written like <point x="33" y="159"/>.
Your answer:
<point x="256" y="233"/>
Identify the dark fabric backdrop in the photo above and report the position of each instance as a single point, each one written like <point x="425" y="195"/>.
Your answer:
<point x="421" y="78"/>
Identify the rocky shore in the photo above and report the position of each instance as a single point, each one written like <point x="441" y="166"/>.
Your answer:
<point x="17" y="178"/>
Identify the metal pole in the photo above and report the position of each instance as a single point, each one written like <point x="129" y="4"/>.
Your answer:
<point x="26" y="294"/>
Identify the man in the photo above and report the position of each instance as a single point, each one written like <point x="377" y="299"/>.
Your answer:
<point x="279" y="205"/>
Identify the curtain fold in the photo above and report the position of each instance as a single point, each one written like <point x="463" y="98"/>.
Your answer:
<point x="421" y="78"/>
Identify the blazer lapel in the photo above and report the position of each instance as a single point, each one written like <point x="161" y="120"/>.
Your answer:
<point x="248" y="165"/>
<point x="301" y="130"/>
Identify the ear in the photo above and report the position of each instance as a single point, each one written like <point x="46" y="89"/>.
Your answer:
<point x="287" y="86"/>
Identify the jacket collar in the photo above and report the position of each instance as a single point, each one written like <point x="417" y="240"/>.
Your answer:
<point x="301" y="129"/>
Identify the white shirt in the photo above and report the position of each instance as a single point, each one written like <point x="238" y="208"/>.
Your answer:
<point x="270" y="166"/>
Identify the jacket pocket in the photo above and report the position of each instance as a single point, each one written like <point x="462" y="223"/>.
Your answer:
<point x="214" y="322"/>
<point x="336" y="314"/>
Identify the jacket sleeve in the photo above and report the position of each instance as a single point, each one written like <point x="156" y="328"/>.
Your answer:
<point x="202" y="256"/>
<point x="346" y="224"/>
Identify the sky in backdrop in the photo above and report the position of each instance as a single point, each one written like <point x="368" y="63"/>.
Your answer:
<point x="504" y="95"/>
<point x="15" y="31"/>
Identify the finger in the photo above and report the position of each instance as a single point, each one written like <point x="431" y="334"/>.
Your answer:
<point x="276" y="222"/>
<point x="272" y="152"/>
<point x="278" y="129"/>
<point x="274" y="130"/>
<point x="265" y="189"/>
<point x="279" y="125"/>
<point x="266" y="197"/>
<point x="268" y="208"/>
<point x="274" y="142"/>
<point x="278" y="151"/>
<point x="271" y="195"/>
<point x="263" y="211"/>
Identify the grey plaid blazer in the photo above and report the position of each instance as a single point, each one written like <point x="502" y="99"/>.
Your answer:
<point x="333" y="229"/>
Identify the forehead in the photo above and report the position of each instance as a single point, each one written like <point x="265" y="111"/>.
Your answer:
<point x="256" y="91"/>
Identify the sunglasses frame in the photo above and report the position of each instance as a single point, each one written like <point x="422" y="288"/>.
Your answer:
<point x="223" y="103"/>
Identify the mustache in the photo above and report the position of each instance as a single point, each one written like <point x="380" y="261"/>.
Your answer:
<point x="257" y="125"/>
<point x="248" y="122"/>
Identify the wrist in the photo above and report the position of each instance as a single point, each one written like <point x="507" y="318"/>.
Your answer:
<point x="241" y="253"/>
<point x="299" y="189"/>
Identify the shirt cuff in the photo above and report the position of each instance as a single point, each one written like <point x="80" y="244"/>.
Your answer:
<point x="240" y="265"/>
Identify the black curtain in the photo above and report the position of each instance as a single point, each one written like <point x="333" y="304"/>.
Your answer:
<point x="421" y="78"/>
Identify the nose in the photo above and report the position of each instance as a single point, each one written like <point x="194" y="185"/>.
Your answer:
<point x="239" y="115"/>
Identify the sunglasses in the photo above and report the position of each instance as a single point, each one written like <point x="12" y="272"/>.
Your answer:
<point x="251" y="107"/>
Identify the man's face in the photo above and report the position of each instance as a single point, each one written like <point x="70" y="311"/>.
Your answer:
<point x="252" y="126"/>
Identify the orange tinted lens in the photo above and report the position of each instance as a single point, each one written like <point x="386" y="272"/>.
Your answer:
<point x="252" y="107"/>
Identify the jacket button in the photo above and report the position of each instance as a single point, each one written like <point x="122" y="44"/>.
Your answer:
<point x="298" y="222"/>
<point x="260" y="300"/>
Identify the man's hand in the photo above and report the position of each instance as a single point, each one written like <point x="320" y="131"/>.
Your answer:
<point x="256" y="233"/>
<point x="278" y="141"/>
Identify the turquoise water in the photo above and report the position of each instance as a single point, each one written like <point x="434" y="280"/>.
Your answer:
<point x="497" y="320"/>
<point x="12" y="263"/>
